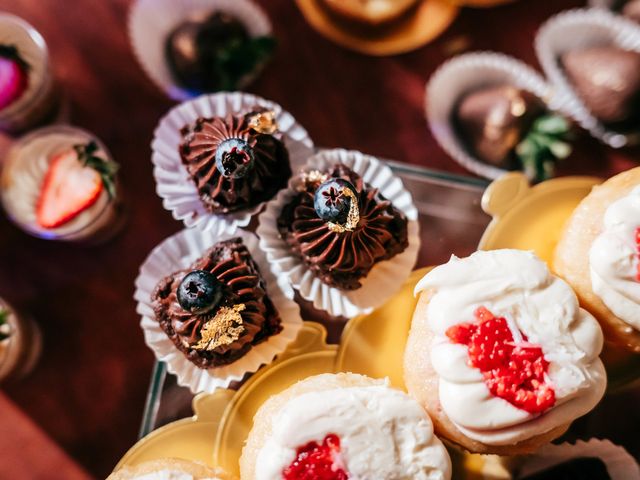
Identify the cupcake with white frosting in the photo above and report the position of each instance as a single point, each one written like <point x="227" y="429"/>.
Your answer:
<point x="500" y="353"/>
<point x="343" y="426"/>
<point x="60" y="183"/>
<point x="170" y="469"/>
<point x="599" y="255"/>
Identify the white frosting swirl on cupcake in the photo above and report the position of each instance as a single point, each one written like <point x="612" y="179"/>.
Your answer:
<point x="518" y="286"/>
<point x="384" y="434"/>
<point x="613" y="259"/>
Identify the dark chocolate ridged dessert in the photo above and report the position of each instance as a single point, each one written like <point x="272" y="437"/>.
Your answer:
<point x="341" y="250"/>
<point x="234" y="163"/>
<point x="239" y="317"/>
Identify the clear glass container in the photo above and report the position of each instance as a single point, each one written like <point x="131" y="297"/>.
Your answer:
<point x="23" y="172"/>
<point x="451" y="222"/>
<point x="40" y="101"/>
<point x="20" y="343"/>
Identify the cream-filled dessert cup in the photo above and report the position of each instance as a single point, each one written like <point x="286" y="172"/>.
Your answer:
<point x="20" y="343"/>
<point x="500" y="354"/>
<point x="27" y="166"/>
<point x="343" y="426"/>
<point x="38" y="99"/>
<point x="599" y="255"/>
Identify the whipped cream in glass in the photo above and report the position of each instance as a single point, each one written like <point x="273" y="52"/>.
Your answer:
<point x="21" y="349"/>
<point x="24" y="171"/>
<point x="519" y="287"/>
<point x="383" y="433"/>
<point x="614" y="259"/>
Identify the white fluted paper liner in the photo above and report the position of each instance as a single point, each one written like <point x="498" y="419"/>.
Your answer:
<point x="384" y="279"/>
<point x="173" y="183"/>
<point x="151" y="22"/>
<point x="178" y="252"/>
<point x="464" y="74"/>
<point x="620" y="465"/>
<point x="578" y="29"/>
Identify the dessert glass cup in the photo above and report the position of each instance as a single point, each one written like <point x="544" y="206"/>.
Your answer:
<point x="20" y="352"/>
<point x="25" y="167"/>
<point x="39" y="102"/>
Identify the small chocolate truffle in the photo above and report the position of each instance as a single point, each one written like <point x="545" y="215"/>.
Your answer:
<point x="608" y="81"/>
<point x="493" y="121"/>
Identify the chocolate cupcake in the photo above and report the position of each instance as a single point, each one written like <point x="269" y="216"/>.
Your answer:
<point x="216" y="310"/>
<point x="236" y="162"/>
<point x="340" y="227"/>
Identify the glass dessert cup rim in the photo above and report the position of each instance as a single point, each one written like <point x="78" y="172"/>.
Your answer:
<point x="26" y="101"/>
<point x="41" y="232"/>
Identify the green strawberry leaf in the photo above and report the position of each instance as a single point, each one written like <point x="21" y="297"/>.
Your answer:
<point x="106" y="168"/>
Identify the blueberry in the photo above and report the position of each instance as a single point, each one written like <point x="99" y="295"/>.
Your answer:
<point x="331" y="202"/>
<point x="234" y="158"/>
<point x="199" y="292"/>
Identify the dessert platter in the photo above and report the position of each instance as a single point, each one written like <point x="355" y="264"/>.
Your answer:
<point x="325" y="314"/>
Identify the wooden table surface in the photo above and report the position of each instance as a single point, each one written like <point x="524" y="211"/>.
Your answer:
<point x="88" y="391"/>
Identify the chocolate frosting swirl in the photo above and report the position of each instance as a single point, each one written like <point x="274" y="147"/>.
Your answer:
<point x="231" y="263"/>
<point x="341" y="259"/>
<point x="219" y="194"/>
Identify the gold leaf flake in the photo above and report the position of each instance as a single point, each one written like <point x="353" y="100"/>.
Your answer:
<point x="223" y="329"/>
<point x="264" y="122"/>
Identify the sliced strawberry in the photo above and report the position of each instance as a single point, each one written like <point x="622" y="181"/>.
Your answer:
<point x="514" y="372"/>
<point x="14" y="76"/>
<point x="68" y="189"/>
<point x="317" y="462"/>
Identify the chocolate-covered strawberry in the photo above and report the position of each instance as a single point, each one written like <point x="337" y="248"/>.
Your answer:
<point x="214" y="53"/>
<point x="607" y="79"/>
<point x="510" y="128"/>
<point x="14" y="75"/>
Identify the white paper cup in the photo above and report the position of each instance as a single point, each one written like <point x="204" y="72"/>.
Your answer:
<point x="579" y="29"/>
<point x="469" y="72"/>
<point x="620" y="465"/>
<point x="383" y="280"/>
<point x="178" y="252"/>
<point x="173" y="183"/>
<point x="151" y="22"/>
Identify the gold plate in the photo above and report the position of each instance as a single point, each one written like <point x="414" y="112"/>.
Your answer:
<point x="429" y="20"/>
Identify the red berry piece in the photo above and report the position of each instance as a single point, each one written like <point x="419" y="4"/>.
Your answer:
<point x="14" y="75"/>
<point x="514" y="372"/>
<point x="317" y="462"/>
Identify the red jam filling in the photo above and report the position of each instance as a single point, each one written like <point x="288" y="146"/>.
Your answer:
<point x="514" y="372"/>
<point x="638" y="251"/>
<point x="317" y="462"/>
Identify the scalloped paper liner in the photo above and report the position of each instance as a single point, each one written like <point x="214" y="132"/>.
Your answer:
<point x="580" y="28"/>
<point x="620" y="465"/>
<point x="151" y="22"/>
<point x="173" y="183"/>
<point x="178" y="252"/>
<point x="469" y="72"/>
<point x="377" y="286"/>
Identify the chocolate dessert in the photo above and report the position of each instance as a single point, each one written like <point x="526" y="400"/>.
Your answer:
<point x="607" y="79"/>
<point x="218" y="309"/>
<point x="215" y="52"/>
<point x="510" y="128"/>
<point x="235" y="162"/>
<point x="341" y="227"/>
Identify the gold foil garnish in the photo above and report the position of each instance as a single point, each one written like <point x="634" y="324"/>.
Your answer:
<point x="353" y="217"/>
<point x="264" y="122"/>
<point x="223" y="329"/>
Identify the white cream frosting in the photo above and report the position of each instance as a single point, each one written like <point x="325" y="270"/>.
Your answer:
<point x="613" y="259"/>
<point x="169" y="475"/>
<point x="22" y="179"/>
<point x="384" y="435"/>
<point x="518" y="286"/>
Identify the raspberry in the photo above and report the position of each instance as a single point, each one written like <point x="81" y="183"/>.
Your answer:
<point x="317" y="462"/>
<point x="514" y="372"/>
